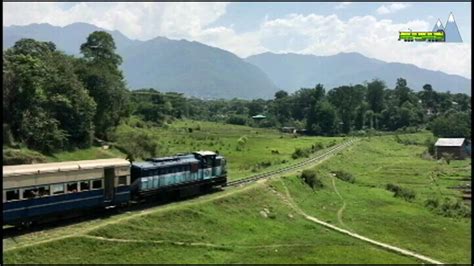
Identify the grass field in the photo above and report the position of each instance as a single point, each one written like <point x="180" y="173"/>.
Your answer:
<point x="253" y="157"/>
<point x="254" y="225"/>
<point x="226" y="230"/>
<point x="374" y="212"/>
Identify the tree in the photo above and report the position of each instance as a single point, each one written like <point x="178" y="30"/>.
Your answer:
<point x="375" y="95"/>
<point x="100" y="73"/>
<point x="305" y="100"/>
<point x="322" y="119"/>
<point x="346" y="99"/>
<point x="401" y="91"/>
<point x="45" y="105"/>
<point x="281" y="94"/>
<point x="452" y="125"/>
<point x="100" y="49"/>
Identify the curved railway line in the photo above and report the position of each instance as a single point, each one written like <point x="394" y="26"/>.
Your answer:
<point x="329" y="152"/>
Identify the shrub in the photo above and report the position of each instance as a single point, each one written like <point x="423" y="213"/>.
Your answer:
<point x="400" y="192"/>
<point x="311" y="179"/>
<point x="345" y="176"/>
<point x="449" y="207"/>
<point x="447" y="157"/>
<point x="236" y="120"/>
<point x="298" y="153"/>
<point x="11" y="157"/>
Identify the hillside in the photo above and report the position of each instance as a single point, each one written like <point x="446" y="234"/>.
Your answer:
<point x="259" y="224"/>
<point x="293" y="71"/>
<point x="192" y="68"/>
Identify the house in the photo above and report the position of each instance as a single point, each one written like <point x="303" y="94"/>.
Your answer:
<point x="455" y="146"/>
<point x="288" y="129"/>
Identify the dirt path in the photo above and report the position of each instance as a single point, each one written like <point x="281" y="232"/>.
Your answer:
<point x="341" y="210"/>
<point x="289" y="200"/>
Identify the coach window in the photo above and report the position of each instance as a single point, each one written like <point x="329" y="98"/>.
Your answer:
<point x="30" y="193"/>
<point x="57" y="189"/>
<point x="97" y="184"/>
<point x="122" y="180"/>
<point x="71" y="187"/>
<point x="84" y="185"/>
<point x="43" y="191"/>
<point x="13" y="195"/>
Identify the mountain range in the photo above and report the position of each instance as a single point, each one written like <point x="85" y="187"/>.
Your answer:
<point x="199" y="70"/>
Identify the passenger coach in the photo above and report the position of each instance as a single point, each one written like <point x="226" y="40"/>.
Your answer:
<point x="38" y="191"/>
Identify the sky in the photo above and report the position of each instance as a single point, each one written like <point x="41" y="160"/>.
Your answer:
<point x="248" y="28"/>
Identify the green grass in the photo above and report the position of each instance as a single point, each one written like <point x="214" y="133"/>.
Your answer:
<point x="223" y="138"/>
<point x="233" y="224"/>
<point x="374" y="212"/>
<point x="85" y="154"/>
<point x="176" y="138"/>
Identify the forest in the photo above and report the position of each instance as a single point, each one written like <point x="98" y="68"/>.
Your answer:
<point x="54" y="102"/>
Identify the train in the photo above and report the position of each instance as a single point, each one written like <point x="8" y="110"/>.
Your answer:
<point x="47" y="191"/>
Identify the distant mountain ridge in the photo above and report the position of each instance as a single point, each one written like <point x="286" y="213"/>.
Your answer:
<point x="292" y="71"/>
<point x="199" y="70"/>
<point x="191" y="68"/>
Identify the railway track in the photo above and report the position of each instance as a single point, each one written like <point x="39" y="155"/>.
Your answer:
<point x="15" y="231"/>
<point x="333" y="150"/>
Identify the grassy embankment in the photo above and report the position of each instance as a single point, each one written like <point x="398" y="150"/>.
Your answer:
<point x="232" y="229"/>
<point x="373" y="211"/>
<point x="253" y="156"/>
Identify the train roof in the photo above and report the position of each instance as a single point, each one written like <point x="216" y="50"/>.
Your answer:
<point x="30" y="169"/>
<point x="167" y="161"/>
<point x="205" y="153"/>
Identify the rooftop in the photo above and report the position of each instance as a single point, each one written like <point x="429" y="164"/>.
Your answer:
<point x="450" y="142"/>
<point x="40" y="168"/>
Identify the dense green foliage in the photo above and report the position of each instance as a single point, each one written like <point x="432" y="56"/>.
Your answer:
<point x="310" y="177"/>
<point x="56" y="102"/>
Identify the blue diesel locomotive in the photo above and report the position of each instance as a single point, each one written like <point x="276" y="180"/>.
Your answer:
<point x="44" y="191"/>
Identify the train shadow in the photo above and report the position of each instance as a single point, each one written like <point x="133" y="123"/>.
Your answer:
<point x="90" y="215"/>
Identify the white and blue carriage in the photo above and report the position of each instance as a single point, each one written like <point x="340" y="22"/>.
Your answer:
<point x="38" y="191"/>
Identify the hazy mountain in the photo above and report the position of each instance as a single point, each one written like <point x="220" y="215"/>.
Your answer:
<point x="204" y="71"/>
<point x="168" y="65"/>
<point x="293" y="71"/>
<point x="194" y="69"/>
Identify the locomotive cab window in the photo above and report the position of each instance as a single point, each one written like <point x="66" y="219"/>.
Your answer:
<point x="84" y="185"/>
<point x="71" y="187"/>
<point x="97" y="184"/>
<point x="13" y="195"/>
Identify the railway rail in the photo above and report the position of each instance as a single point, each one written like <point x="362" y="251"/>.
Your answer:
<point x="15" y="231"/>
<point x="333" y="150"/>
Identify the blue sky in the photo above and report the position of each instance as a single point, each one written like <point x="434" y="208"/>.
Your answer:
<point x="249" y="28"/>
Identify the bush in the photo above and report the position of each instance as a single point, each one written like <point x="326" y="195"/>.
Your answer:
<point x="11" y="157"/>
<point x="298" y="153"/>
<point x="449" y="207"/>
<point x="311" y="179"/>
<point x="345" y="176"/>
<point x="400" y="192"/>
<point x="236" y="120"/>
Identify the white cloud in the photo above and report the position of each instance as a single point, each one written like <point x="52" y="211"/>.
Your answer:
<point x="392" y="8"/>
<point x="309" y="34"/>
<point x="142" y="21"/>
<point x="342" y="5"/>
